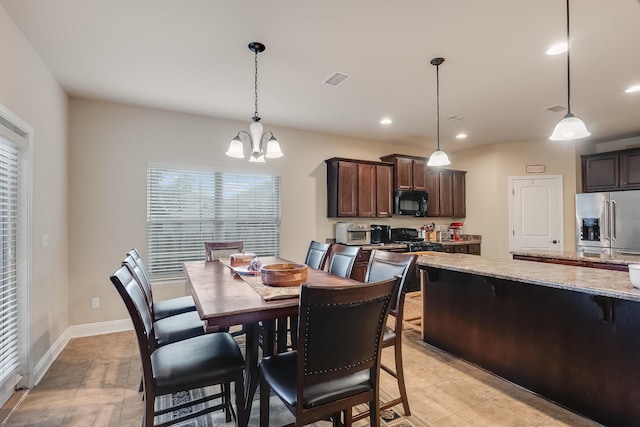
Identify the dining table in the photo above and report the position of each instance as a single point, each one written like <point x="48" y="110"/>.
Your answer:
<point x="225" y="298"/>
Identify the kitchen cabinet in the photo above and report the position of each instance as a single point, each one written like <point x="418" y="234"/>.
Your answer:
<point x="471" y="248"/>
<point x="359" y="188"/>
<point x="410" y="172"/>
<point x="447" y="193"/>
<point x="611" y="171"/>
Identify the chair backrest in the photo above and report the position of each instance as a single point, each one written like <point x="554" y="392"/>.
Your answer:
<point x="216" y="250"/>
<point x="384" y="265"/>
<point x="133" y="297"/>
<point x="340" y="330"/>
<point x="317" y="255"/>
<point x="342" y="258"/>
<point x="138" y="274"/>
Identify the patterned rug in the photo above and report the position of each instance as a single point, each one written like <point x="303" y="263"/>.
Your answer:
<point x="279" y="414"/>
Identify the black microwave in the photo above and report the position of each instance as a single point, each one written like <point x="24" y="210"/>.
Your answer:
<point x="413" y="203"/>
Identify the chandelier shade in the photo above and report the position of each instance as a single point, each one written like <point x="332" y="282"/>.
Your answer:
<point x="438" y="157"/>
<point x="262" y="144"/>
<point x="570" y="127"/>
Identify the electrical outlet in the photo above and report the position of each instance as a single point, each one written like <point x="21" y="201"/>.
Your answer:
<point x="95" y="302"/>
<point x="45" y="240"/>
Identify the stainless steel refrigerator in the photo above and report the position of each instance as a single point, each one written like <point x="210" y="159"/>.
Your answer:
<point x="608" y="223"/>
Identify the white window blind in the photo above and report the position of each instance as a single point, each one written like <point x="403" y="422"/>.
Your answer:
<point x="13" y="283"/>
<point x="187" y="207"/>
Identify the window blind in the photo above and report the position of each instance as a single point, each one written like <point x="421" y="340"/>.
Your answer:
<point x="186" y="207"/>
<point x="13" y="284"/>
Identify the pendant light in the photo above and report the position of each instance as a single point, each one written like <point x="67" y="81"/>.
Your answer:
<point x="255" y="137"/>
<point x="439" y="157"/>
<point x="570" y="127"/>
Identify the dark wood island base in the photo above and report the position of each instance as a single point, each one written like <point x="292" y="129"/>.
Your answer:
<point x="579" y="349"/>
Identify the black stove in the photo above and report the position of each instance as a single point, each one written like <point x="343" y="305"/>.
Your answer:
<point x="410" y="237"/>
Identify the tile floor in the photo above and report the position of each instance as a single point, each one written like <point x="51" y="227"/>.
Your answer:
<point x="94" y="382"/>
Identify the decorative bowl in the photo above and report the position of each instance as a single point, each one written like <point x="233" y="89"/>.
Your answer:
<point x="283" y="274"/>
<point x="634" y="275"/>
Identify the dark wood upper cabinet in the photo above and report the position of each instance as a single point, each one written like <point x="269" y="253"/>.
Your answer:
<point x="447" y="193"/>
<point x="410" y="172"/>
<point x="358" y="188"/>
<point x="611" y="171"/>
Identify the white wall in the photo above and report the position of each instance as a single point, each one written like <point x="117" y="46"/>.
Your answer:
<point x="28" y="89"/>
<point x="110" y="146"/>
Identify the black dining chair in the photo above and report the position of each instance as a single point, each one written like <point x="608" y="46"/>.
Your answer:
<point x="165" y="308"/>
<point x="341" y="259"/>
<point x="167" y="329"/>
<point x="317" y="255"/>
<point x="336" y="366"/>
<point x="384" y="265"/>
<point x="287" y="328"/>
<point x="194" y="363"/>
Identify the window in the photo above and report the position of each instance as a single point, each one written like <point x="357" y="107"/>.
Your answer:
<point x="13" y="258"/>
<point x="187" y="206"/>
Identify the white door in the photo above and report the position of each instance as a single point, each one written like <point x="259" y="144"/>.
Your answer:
<point x="536" y="213"/>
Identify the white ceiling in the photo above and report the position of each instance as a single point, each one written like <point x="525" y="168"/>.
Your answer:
<point x="192" y="56"/>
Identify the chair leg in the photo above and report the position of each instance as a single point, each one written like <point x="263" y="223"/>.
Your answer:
<point x="226" y="400"/>
<point x="281" y="335"/>
<point x="348" y="417"/>
<point x="400" y="377"/>
<point x="264" y="403"/>
<point x="243" y="417"/>
<point x="374" y="413"/>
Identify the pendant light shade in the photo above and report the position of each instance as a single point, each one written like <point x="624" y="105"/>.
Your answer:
<point x="570" y="127"/>
<point x="439" y="157"/>
<point x="256" y="137"/>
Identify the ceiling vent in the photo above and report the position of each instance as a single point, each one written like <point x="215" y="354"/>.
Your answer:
<point x="336" y="78"/>
<point x="556" y="108"/>
<point x="456" y="118"/>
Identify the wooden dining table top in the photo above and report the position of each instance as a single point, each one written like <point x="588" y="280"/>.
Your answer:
<point x="223" y="299"/>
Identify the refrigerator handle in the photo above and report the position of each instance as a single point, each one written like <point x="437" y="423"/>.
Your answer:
<point x="607" y="226"/>
<point x="613" y="220"/>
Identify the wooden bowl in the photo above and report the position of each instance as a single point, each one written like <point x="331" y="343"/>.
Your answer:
<point x="283" y="274"/>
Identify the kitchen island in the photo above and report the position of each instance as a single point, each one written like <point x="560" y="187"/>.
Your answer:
<point x="605" y="261"/>
<point x="571" y="334"/>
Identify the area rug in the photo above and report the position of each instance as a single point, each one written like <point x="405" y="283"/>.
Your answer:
<point x="279" y="414"/>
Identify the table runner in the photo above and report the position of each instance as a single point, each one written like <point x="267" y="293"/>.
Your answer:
<point x="268" y="293"/>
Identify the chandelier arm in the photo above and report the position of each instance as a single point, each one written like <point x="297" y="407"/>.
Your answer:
<point x="265" y="138"/>
<point x="246" y="135"/>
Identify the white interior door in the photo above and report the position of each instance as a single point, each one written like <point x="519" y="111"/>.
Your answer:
<point x="536" y="213"/>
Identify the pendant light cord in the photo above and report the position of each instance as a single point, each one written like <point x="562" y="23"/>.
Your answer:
<point x="438" y="104"/>
<point x="568" y="64"/>
<point x="255" y="115"/>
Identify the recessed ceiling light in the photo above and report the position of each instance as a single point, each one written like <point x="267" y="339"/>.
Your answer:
<point x="386" y="121"/>
<point x="633" y="89"/>
<point x="461" y="135"/>
<point x="557" y="49"/>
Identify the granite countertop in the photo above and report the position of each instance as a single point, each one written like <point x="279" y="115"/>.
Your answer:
<point x="593" y="281"/>
<point x="465" y="239"/>
<point x="388" y="246"/>
<point x="574" y="256"/>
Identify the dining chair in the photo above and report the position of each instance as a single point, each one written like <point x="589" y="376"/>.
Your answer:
<point x="194" y="363"/>
<point x="341" y="259"/>
<point x="287" y="328"/>
<point x="384" y="265"/>
<point x="317" y="255"/>
<point x="336" y="365"/>
<point x="169" y="329"/>
<point x="165" y="308"/>
<point x="215" y="250"/>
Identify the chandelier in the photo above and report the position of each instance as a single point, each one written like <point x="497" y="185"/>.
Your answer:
<point x="262" y="144"/>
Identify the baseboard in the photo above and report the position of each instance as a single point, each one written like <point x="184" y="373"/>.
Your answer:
<point x="91" y="329"/>
<point x="76" y="331"/>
